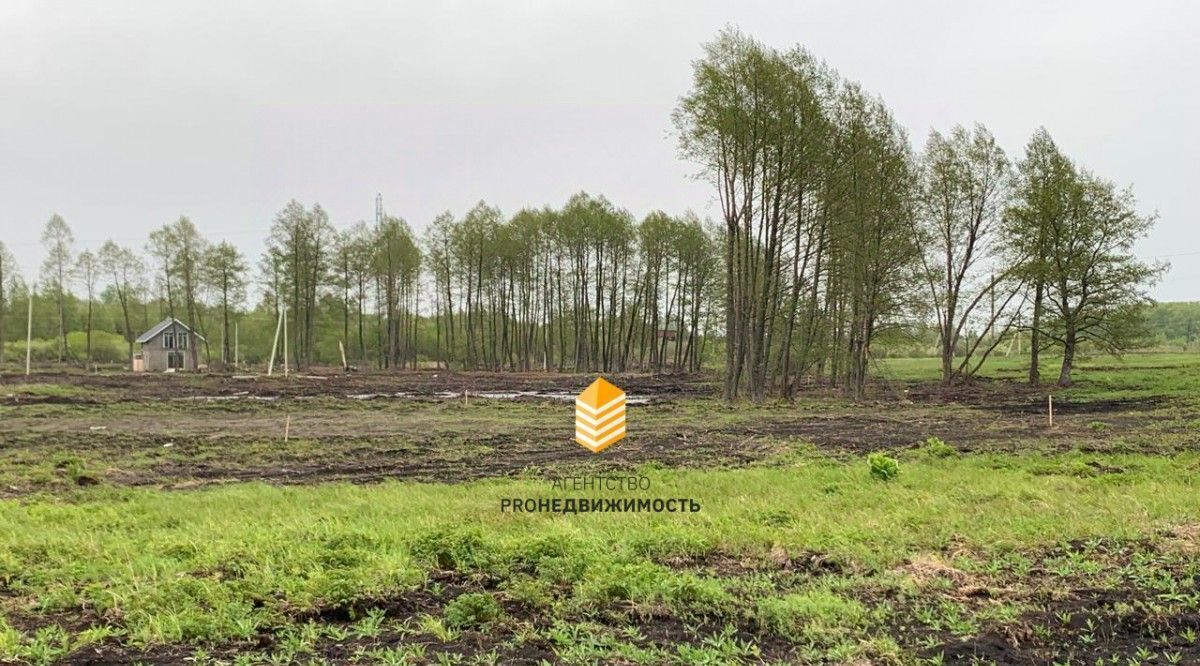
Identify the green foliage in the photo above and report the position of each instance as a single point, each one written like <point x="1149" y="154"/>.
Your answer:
<point x="620" y="581"/>
<point x="750" y="104"/>
<point x="964" y="184"/>
<point x="1074" y="233"/>
<point x="233" y="562"/>
<point x="48" y="645"/>
<point x="529" y="591"/>
<point x="936" y="448"/>
<point x="472" y="610"/>
<point x="883" y="466"/>
<point x="690" y="594"/>
<point x="448" y="549"/>
<point x="1175" y="325"/>
<point x="814" y="615"/>
<point x="106" y="348"/>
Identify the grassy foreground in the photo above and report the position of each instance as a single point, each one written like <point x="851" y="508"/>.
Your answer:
<point x="813" y="560"/>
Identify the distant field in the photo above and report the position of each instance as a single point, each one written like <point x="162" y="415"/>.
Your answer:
<point x="1140" y="373"/>
<point x="164" y="519"/>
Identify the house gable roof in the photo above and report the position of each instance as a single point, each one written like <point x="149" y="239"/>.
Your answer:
<point x="162" y="326"/>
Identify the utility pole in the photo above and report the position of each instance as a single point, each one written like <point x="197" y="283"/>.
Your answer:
<point x="275" y="344"/>
<point x="285" y="345"/>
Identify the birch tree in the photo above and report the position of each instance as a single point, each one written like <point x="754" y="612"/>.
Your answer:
<point x="56" y="271"/>
<point x="298" y="253"/>
<point x="125" y="272"/>
<point x="224" y="270"/>
<point x="87" y="271"/>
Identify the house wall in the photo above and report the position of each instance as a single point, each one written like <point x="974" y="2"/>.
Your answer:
<point x="155" y="357"/>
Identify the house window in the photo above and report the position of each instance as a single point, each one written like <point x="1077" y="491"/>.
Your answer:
<point x="168" y="340"/>
<point x="182" y="340"/>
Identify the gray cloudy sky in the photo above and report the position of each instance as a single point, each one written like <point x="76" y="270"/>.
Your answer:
<point x="121" y="116"/>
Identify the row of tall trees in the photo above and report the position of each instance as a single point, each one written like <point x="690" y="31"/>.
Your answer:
<point x="816" y="186"/>
<point x="835" y="231"/>
<point x="584" y="287"/>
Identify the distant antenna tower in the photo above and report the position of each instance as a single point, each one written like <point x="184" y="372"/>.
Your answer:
<point x="378" y="209"/>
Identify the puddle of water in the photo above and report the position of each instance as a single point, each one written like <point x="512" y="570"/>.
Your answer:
<point x="373" y="396"/>
<point x="444" y="395"/>
<point x="537" y="395"/>
<point x="218" y="398"/>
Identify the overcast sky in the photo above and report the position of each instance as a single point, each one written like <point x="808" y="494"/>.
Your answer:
<point x="122" y="116"/>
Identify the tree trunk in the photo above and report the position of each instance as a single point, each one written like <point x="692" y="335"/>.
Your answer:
<point x="89" y="331"/>
<point x="128" y="328"/>
<point x="225" y="320"/>
<point x="1064" y="375"/>
<point x="62" y="323"/>
<point x="1035" y="376"/>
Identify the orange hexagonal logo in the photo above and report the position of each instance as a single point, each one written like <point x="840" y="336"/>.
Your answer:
<point x="600" y="416"/>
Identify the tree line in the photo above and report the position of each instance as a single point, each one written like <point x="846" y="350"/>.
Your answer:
<point x="834" y="232"/>
<point x="585" y="287"/>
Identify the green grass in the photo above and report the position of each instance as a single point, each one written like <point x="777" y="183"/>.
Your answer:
<point x="46" y="390"/>
<point x="222" y="565"/>
<point x="1138" y="374"/>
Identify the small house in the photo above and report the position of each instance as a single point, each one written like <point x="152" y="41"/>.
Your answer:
<point x="167" y="346"/>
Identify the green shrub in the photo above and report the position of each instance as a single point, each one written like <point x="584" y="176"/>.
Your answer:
<point x="530" y="553"/>
<point x="529" y="591"/>
<point x="620" y="581"/>
<point x="883" y="466"/>
<point x="452" y="549"/>
<point x="687" y="593"/>
<point x="936" y="448"/>
<point x="472" y="610"/>
<point x="106" y="348"/>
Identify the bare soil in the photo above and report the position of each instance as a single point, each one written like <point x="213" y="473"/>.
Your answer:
<point x="1077" y="619"/>
<point x="184" y="431"/>
<point x="158" y="386"/>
